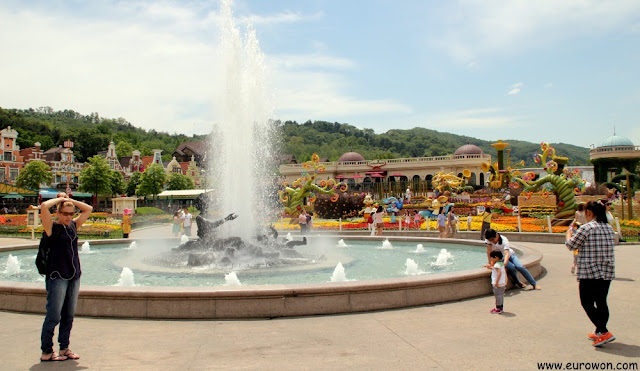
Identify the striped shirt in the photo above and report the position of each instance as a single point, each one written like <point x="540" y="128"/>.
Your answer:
<point x="595" y="243"/>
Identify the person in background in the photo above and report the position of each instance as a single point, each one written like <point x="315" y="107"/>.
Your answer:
<point x="580" y="217"/>
<point x="177" y="224"/>
<point x="496" y="241"/>
<point x="309" y="221"/>
<point x="486" y="222"/>
<point x="442" y="224"/>
<point x="302" y="220"/>
<point x="126" y="223"/>
<point x="378" y="220"/>
<point x="607" y="205"/>
<point x="62" y="278"/>
<point x="416" y="218"/>
<point x="452" y="224"/>
<point x="469" y="220"/>
<point x="186" y="222"/>
<point x="407" y="195"/>
<point x="596" y="268"/>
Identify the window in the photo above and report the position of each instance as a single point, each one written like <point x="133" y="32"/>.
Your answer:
<point x="13" y="173"/>
<point x="8" y="156"/>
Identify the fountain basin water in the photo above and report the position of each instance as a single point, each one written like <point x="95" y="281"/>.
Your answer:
<point x="267" y="301"/>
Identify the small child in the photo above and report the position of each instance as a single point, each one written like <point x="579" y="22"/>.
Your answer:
<point x="498" y="279"/>
<point x="469" y="219"/>
<point x="416" y="218"/>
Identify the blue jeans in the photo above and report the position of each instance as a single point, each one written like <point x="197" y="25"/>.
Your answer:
<point x="62" y="297"/>
<point x="513" y="265"/>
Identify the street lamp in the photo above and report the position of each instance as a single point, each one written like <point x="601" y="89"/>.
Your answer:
<point x="68" y="161"/>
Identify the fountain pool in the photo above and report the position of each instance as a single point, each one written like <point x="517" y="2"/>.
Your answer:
<point x="362" y="260"/>
<point x="218" y="294"/>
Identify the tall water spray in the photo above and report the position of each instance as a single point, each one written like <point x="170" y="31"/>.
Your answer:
<point x="241" y="156"/>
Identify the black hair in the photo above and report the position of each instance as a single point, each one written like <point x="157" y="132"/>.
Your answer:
<point x="496" y="254"/>
<point x="599" y="211"/>
<point x="490" y="233"/>
<point x="581" y="206"/>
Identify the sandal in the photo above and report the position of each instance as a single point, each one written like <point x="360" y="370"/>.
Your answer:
<point x="69" y="354"/>
<point x="52" y="357"/>
<point x="522" y="285"/>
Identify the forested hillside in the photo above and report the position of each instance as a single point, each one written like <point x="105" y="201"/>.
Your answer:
<point x="92" y="133"/>
<point x="333" y="139"/>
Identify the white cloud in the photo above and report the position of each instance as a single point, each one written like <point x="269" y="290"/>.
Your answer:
<point x="548" y="85"/>
<point x="514" y="91"/>
<point x="280" y="18"/>
<point x="472" y="29"/>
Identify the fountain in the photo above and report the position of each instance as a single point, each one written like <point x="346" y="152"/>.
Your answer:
<point x="419" y="249"/>
<point x="231" y="279"/>
<point x="443" y="258"/>
<point x="241" y="155"/>
<point x="13" y="265"/>
<point x="339" y="274"/>
<point x="85" y="248"/>
<point x="126" y="278"/>
<point x="412" y="268"/>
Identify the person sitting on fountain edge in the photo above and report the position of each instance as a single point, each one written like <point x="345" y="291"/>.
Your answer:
<point x="495" y="241"/>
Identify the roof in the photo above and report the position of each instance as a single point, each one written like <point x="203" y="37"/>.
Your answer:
<point x="468" y="149"/>
<point x="184" y="193"/>
<point x="351" y="156"/>
<point x="198" y="147"/>
<point x="616" y="141"/>
<point x="52" y="192"/>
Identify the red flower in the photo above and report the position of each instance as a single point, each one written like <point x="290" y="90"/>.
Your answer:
<point x="561" y="203"/>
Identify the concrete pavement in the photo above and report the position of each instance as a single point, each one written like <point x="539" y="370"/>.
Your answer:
<point x="538" y="326"/>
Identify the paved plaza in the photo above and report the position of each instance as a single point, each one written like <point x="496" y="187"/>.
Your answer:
<point x="538" y="326"/>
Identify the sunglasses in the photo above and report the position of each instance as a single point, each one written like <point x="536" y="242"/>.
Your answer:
<point x="63" y="213"/>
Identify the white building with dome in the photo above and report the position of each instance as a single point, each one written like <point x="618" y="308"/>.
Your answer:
<point x="392" y="176"/>
<point x="612" y="155"/>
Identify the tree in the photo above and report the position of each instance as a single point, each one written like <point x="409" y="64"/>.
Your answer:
<point x="96" y="178"/>
<point x="177" y="181"/>
<point x="117" y="183"/>
<point x="133" y="183"/>
<point x="123" y="148"/>
<point x="152" y="180"/>
<point x="34" y="174"/>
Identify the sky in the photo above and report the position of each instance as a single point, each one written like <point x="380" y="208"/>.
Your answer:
<point x="544" y="70"/>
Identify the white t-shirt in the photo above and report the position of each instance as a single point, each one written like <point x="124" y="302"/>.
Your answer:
<point x="187" y="220"/>
<point x="502" y="245"/>
<point x="302" y="219"/>
<point x="377" y="217"/>
<point x="498" y="267"/>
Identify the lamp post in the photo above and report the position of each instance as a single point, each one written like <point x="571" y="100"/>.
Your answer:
<point x="68" y="161"/>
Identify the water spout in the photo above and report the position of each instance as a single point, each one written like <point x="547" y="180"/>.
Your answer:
<point x="126" y="278"/>
<point x="13" y="265"/>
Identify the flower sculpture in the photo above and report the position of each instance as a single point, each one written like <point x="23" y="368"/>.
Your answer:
<point x="564" y="182"/>
<point x="293" y="196"/>
<point x="449" y="182"/>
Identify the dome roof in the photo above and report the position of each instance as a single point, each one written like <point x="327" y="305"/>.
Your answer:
<point x="615" y="141"/>
<point x="351" y="156"/>
<point x="468" y="149"/>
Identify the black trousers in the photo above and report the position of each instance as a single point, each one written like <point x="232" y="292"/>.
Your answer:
<point x="593" y="297"/>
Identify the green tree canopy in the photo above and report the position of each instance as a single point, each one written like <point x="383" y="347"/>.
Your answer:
<point x="117" y="183"/>
<point x="34" y="174"/>
<point x="96" y="178"/>
<point x="152" y="180"/>
<point x="133" y="183"/>
<point x="177" y="181"/>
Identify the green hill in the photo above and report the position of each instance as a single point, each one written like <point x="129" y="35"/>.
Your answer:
<point x="331" y="140"/>
<point x="92" y="133"/>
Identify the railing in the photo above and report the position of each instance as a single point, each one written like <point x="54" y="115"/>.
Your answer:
<point x="614" y="149"/>
<point x="398" y="160"/>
